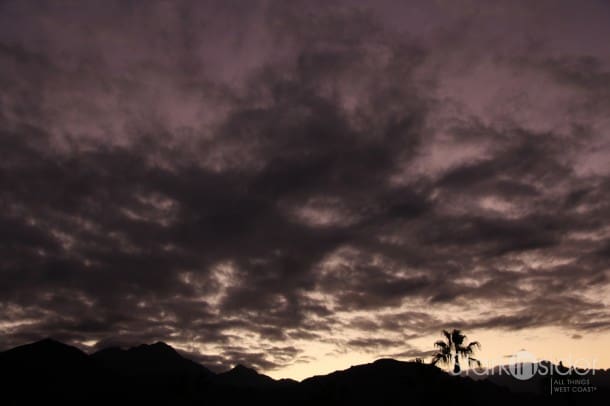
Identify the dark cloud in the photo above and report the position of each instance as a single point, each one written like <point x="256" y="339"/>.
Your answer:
<point x="164" y="179"/>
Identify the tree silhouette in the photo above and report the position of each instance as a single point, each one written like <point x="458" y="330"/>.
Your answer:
<point x="452" y="348"/>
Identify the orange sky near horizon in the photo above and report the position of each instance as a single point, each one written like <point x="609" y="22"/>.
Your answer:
<point x="550" y="344"/>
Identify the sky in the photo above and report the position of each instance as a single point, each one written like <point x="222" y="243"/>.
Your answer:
<point x="301" y="186"/>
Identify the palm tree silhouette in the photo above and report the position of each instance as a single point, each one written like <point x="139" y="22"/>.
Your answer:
<point x="452" y="348"/>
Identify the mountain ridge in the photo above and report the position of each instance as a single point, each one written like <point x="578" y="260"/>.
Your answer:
<point x="158" y="374"/>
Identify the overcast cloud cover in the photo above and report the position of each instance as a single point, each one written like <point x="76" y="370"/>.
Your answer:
<point x="247" y="179"/>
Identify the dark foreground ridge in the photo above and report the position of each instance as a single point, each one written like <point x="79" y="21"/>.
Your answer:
<point x="49" y="372"/>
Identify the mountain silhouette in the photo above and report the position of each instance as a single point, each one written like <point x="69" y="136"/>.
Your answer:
<point x="51" y="372"/>
<point x="389" y="382"/>
<point x="243" y="376"/>
<point x="47" y="369"/>
<point x="155" y="360"/>
<point x="45" y="353"/>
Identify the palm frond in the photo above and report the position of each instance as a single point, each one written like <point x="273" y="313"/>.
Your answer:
<point x="474" y="345"/>
<point x="441" y="345"/>
<point x="468" y="349"/>
<point x="464" y="351"/>
<point x="442" y="358"/>
<point x="474" y="361"/>
<point x="447" y="335"/>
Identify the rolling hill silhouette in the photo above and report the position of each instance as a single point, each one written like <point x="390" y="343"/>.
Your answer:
<point x="51" y="372"/>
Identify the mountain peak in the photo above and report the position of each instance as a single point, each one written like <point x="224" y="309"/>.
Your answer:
<point x="47" y="345"/>
<point x="241" y="375"/>
<point x="242" y="369"/>
<point x="160" y="345"/>
<point x="45" y="353"/>
<point x="386" y="361"/>
<point x="159" y="348"/>
<point x="49" y="342"/>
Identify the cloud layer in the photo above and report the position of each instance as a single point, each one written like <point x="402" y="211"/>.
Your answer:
<point x="246" y="181"/>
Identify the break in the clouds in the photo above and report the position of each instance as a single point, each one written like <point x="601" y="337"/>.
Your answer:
<point x="247" y="179"/>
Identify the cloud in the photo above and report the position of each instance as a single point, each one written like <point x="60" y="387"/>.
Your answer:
<point x="313" y="175"/>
